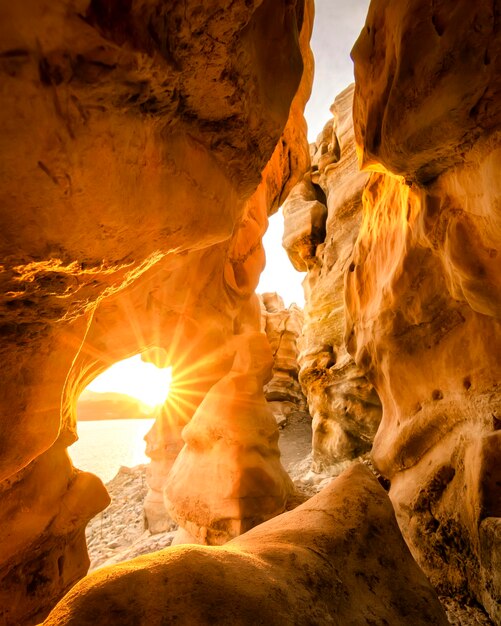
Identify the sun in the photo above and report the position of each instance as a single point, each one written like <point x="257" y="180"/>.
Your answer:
<point x="134" y="377"/>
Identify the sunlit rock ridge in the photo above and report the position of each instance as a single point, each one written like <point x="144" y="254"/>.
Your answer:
<point x="143" y="146"/>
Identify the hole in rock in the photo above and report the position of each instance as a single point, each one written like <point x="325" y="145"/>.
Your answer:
<point x="114" y="413"/>
<point x="279" y="275"/>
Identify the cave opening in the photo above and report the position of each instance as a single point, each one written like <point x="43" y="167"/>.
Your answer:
<point x="115" y="413"/>
<point x="116" y="410"/>
<point x="145" y="147"/>
<point x="279" y="274"/>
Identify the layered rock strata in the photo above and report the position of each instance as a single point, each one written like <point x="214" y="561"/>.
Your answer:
<point x="351" y="567"/>
<point x="322" y="215"/>
<point x="424" y="296"/>
<point x="142" y="147"/>
<point x="283" y="328"/>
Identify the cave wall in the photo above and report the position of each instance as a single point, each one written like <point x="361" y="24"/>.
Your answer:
<point x="142" y="147"/>
<point x="419" y="287"/>
<point x="424" y="297"/>
<point x="323" y="214"/>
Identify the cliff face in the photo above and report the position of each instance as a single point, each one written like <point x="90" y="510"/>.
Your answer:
<point x="283" y="328"/>
<point x="323" y="214"/>
<point x="142" y="147"/>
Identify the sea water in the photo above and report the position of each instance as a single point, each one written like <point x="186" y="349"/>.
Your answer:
<point x="104" y="445"/>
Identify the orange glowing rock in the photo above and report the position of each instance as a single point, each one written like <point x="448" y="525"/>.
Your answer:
<point x="337" y="559"/>
<point x="323" y="215"/>
<point x="128" y="162"/>
<point x="228" y="476"/>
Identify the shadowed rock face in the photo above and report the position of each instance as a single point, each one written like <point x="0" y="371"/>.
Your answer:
<point x="424" y="295"/>
<point x="142" y="146"/>
<point x="428" y="84"/>
<point x="337" y="559"/>
<point x="435" y="364"/>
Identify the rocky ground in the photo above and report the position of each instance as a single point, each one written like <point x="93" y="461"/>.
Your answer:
<point x="118" y="533"/>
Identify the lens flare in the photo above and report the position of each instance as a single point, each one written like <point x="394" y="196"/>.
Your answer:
<point x="136" y="378"/>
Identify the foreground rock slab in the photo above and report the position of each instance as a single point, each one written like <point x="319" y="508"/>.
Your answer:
<point x="337" y="559"/>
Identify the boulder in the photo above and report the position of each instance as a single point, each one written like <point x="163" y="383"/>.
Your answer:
<point x="337" y="559"/>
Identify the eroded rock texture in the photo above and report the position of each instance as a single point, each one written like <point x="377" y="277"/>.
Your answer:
<point x="351" y="567"/>
<point x="228" y="477"/>
<point x="45" y="509"/>
<point x="141" y="146"/>
<point x="283" y="328"/>
<point x="322" y="220"/>
<point x="424" y="295"/>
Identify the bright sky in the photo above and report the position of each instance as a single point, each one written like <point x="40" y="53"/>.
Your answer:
<point x="134" y="377"/>
<point x="336" y="28"/>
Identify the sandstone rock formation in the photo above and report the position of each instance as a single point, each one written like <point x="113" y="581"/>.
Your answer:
<point x="424" y="295"/>
<point x="141" y="148"/>
<point x="44" y="512"/>
<point x="283" y="328"/>
<point x="411" y="268"/>
<point x="193" y="374"/>
<point x="337" y="559"/>
<point x="228" y="476"/>
<point x="322" y="219"/>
